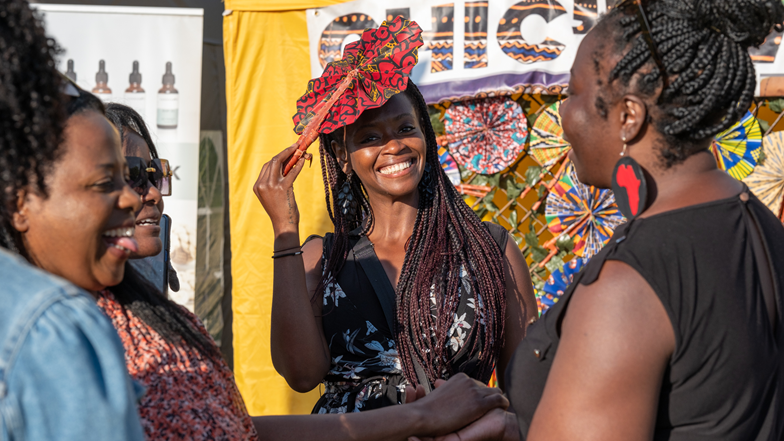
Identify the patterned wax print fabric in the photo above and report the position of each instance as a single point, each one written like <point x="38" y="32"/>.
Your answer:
<point x="188" y="397"/>
<point x="449" y="165"/>
<point x="738" y="149"/>
<point x="557" y="283"/>
<point x="586" y="214"/>
<point x="548" y="146"/>
<point x="487" y="135"/>
<point x="366" y="371"/>
<point x="767" y="179"/>
<point x="382" y="58"/>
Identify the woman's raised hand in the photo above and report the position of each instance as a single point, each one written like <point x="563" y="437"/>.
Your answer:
<point x="276" y="192"/>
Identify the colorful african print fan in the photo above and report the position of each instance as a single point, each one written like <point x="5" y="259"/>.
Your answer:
<point x="557" y="283"/>
<point x="486" y="136"/>
<point x="548" y="145"/>
<point x="586" y="214"/>
<point x="738" y="148"/>
<point x="767" y="179"/>
<point x="449" y="165"/>
<point x="372" y="70"/>
<point x="453" y="173"/>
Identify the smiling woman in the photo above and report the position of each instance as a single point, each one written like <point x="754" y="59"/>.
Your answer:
<point x="66" y="208"/>
<point x="190" y="391"/>
<point x="89" y="211"/>
<point x="410" y="288"/>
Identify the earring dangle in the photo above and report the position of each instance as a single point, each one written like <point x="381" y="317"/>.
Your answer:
<point x="347" y="203"/>
<point x="629" y="186"/>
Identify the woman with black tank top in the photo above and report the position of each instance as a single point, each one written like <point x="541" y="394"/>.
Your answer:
<point x="410" y="288"/>
<point x="672" y="332"/>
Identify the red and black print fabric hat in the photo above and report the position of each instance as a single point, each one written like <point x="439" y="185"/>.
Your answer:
<point x="371" y="71"/>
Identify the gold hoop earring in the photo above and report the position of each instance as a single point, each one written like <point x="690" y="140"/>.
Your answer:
<point x="623" y="153"/>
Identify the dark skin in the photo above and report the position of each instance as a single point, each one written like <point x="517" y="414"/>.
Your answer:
<point x="616" y="337"/>
<point x="387" y="136"/>
<point x="148" y="230"/>
<point x="383" y="137"/>
<point x="468" y="400"/>
<point x="87" y="196"/>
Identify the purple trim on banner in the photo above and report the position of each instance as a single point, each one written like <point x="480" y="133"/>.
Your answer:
<point x="504" y="84"/>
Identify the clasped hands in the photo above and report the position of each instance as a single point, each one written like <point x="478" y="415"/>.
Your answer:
<point x="462" y="399"/>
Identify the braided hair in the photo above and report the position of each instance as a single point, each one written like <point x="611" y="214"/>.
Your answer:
<point x="447" y="236"/>
<point x="32" y="117"/>
<point x="135" y="293"/>
<point x="704" y="48"/>
<point x="125" y="118"/>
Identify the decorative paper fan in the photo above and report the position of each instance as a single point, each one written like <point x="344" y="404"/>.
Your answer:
<point x="738" y="148"/>
<point x="586" y="214"/>
<point x="486" y="136"/>
<point x="548" y="145"/>
<point x="556" y="285"/>
<point x="449" y="165"/>
<point x="371" y="71"/>
<point x="767" y="179"/>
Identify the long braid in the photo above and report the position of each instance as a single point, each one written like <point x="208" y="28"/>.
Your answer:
<point x="703" y="44"/>
<point x="447" y="236"/>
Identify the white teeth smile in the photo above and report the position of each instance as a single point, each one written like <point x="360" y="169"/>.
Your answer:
<point x="396" y="167"/>
<point x="147" y="222"/>
<point x="119" y="232"/>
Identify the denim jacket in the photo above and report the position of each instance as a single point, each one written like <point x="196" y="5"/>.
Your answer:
<point x="62" y="365"/>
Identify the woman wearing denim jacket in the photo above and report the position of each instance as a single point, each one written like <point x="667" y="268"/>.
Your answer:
<point x="62" y="372"/>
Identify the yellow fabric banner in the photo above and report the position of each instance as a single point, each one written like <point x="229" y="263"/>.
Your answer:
<point x="267" y="70"/>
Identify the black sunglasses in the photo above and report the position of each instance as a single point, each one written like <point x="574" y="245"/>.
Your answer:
<point x="646" y="35"/>
<point x="157" y="172"/>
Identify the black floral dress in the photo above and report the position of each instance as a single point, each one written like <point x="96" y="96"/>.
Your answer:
<point x="366" y="371"/>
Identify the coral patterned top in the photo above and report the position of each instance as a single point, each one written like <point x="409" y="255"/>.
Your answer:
<point x="188" y="396"/>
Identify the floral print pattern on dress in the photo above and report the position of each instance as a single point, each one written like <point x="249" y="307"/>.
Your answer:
<point x="366" y="369"/>
<point x="188" y="397"/>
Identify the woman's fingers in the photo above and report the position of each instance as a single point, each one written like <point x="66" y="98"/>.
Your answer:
<point x="261" y="181"/>
<point x="275" y="191"/>
<point x="414" y="394"/>
<point x="289" y="178"/>
<point x="410" y="394"/>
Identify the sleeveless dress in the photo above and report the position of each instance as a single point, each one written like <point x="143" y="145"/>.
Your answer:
<point x="725" y="379"/>
<point x="366" y="371"/>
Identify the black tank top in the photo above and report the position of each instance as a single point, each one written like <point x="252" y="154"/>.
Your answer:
<point x="725" y="379"/>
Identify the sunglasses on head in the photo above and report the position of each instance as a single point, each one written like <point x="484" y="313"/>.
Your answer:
<point x="157" y="172"/>
<point x="642" y="18"/>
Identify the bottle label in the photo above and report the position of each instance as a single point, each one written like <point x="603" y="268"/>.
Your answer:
<point x="168" y="109"/>
<point x="106" y="98"/>
<point x="137" y="102"/>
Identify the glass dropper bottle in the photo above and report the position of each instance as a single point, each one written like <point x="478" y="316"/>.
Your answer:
<point x="101" y="88"/>
<point x="135" y="97"/>
<point x="70" y="71"/>
<point x="168" y="101"/>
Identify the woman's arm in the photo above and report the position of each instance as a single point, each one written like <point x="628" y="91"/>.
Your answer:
<point x="616" y="342"/>
<point x="299" y="349"/>
<point x="448" y="408"/>
<point x="520" y="305"/>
